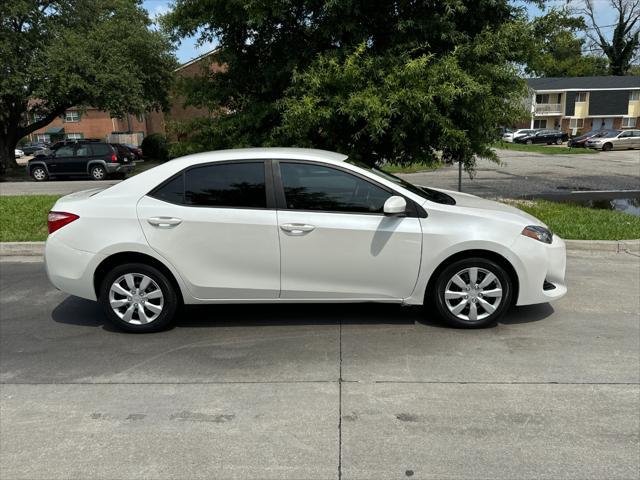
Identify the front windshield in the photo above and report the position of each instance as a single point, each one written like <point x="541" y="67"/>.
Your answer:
<point x="424" y="192"/>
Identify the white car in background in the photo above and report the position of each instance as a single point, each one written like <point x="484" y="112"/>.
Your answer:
<point x="299" y="226"/>
<point x="510" y="136"/>
<point x="18" y="153"/>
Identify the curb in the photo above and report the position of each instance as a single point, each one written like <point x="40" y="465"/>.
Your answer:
<point x="36" y="249"/>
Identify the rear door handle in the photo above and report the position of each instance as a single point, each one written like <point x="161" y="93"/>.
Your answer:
<point x="164" y="222"/>
<point x="297" y="229"/>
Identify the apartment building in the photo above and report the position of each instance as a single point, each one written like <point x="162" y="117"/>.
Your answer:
<point x="579" y="104"/>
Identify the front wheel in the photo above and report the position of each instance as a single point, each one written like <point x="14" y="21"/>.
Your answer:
<point x="529" y="142"/>
<point x="138" y="298"/>
<point x="97" y="172"/>
<point x="607" y="147"/>
<point x="558" y="141"/>
<point x="472" y="293"/>
<point x="39" y="174"/>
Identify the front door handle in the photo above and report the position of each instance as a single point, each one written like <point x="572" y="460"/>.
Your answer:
<point x="297" y="229"/>
<point x="164" y="222"/>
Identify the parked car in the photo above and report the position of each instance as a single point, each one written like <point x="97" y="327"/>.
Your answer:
<point x="18" y="153"/>
<point x="32" y="148"/>
<point x="543" y="136"/>
<point x="275" y="225"/>
<point x="99" y="160"/>
<point x="137" y="151"/>
<point x="510" y="136"/>
<point x="616" y="140"/>
<point x="581" y="140"/>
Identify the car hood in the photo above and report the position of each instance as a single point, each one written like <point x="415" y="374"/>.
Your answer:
<point x="471" y="201"/>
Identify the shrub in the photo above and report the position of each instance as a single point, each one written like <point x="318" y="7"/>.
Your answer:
<point x="155" y="146"/>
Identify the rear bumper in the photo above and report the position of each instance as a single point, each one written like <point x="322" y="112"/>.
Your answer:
<point x="120" y="168"/>
<point x="541" y="263"/>
<point x="69" y="269"/>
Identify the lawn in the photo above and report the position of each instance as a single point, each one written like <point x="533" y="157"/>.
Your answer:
<point x="23" y="218"/>
<point x="575" y="222"/>
<point x="413" y="168"/>
<point x="547" y="149"/>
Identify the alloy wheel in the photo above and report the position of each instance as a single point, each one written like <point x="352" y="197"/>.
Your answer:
<point x="473" y="294"/>
<point x="39" y="174"/>
<point x="97" y="173"/>
<point x="136" y="298"/>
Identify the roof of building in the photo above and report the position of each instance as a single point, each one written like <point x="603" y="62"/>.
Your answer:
<point x="585" y="83"/>
<point x="197" y="59"/>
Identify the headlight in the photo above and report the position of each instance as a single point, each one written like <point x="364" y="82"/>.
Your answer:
<point x="538" y="233"/>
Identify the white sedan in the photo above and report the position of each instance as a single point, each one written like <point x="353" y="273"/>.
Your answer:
<point x="295" y="225"/>
<point x="18" y="153"/>
<point x="511" y="136"/>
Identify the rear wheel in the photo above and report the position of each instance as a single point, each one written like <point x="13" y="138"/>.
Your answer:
<point x="39" y="174"/>
<point x="529" y="142"/>
<point x="607" y="147"/>
<point x="558" y="141"/>
<point x="473" y="293"/>
<point x="98" y="172"/>
<point x="138" y="298"/>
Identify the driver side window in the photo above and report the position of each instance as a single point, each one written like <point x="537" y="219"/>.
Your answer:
<point x="316" y="187"/>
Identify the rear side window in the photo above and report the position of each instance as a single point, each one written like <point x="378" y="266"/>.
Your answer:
<point x="101" y="149"/>
<point x="226" y="185"/>
<point x="172" y="191"/>
<point x="316" y="187"/>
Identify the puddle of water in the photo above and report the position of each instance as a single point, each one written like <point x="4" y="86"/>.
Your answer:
<point x="627" y="202"/>
<point x="626" y="205"/>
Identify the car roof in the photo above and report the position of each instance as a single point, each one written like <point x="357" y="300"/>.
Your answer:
<point x="261" y="153"/>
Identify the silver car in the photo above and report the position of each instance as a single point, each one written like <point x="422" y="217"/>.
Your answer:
<point x="615" y="140"/>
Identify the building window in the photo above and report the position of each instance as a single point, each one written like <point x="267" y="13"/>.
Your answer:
<point x="74" y="136"/>
<point x="72" y="116"/>
<point x="628" y="122"/>
<point x="540" y="123"/>
<point x="635" y="95"/>
<point x="42" y="137"/>
<point x="576" y="123"/>
<point x="581" y="97"/>
<point x="542" y="98"/>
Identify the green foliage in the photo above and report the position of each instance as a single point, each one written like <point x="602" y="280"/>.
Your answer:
<point x="55" y="54"/>
<point x="155" y="146"/>
<point x="23" y="218"/>
<point x="557" y="49"/>
<point x="379" y="80"/>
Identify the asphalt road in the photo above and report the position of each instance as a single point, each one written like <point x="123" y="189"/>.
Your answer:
<point x="519" y="174"/>
<point x="333" y="391"/>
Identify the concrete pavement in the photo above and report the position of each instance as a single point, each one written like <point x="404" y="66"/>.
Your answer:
<point x="324" y="391"/>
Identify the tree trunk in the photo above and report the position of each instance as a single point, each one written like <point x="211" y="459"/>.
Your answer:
<point x="7" y="153"/>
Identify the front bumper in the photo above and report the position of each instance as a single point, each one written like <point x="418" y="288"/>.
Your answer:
<point x="542" y="265"/>
<point x="120" y="167"/>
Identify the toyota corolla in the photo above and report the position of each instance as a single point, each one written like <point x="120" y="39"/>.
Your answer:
<point x="295" y="225"/>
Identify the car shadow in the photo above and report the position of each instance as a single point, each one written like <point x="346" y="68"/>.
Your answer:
<point x="86" y="313"/>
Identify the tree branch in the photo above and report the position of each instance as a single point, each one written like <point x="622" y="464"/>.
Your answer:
<point x="48" y="118"/>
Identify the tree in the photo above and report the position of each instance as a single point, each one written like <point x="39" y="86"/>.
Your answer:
<point x="622" y="48"/>
<point x="380" y="80"/>
<point x="55" y="54"/>
<point x="557" y="50"/>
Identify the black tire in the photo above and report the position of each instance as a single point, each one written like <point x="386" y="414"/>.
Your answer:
<point x="39" y="174"/>
<point x="438" y="294"/>
<point x="607" y="147"/>
<point x="98" y="172"/>
<point x="529" y="142"/>
<point x="170" y="301"/>
<point x="558" y="141"/>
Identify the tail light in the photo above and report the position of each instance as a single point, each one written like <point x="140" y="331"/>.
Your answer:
<point x="57" y="220"/>
<point x="114" y="158"/>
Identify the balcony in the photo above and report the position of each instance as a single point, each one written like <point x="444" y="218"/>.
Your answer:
<point x="548" y="108"/>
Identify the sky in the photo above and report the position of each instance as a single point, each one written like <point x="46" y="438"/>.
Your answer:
<point x="188" y="49"/>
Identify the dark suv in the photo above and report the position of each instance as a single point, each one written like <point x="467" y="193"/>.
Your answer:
<point x="97" y="159"/>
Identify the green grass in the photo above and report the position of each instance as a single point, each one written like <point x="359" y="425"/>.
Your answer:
<point x="413" y="168"/>
<point x="547" y="149"/>
<point x="575" y="222"/>
<point x="23" y="218"/>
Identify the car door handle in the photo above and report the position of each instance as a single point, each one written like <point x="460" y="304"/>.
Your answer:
<point x="297" y="229"/>
<point x="164" y="222"/>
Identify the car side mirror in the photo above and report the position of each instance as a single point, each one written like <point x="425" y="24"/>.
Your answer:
<point x="395" y="205"/>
